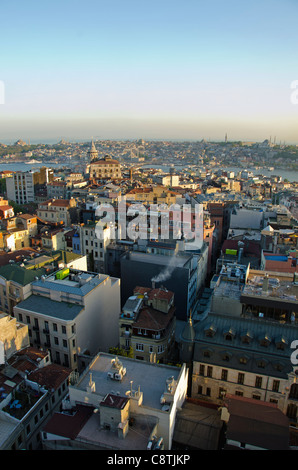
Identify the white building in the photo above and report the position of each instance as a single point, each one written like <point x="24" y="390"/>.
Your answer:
<point x="72" y="313"/>
<point x="95" y="239"/>
<point x="132" y="411"/>
<point x="21" y="186"/>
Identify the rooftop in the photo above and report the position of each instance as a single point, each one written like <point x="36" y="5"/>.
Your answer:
<point x="280" y="286"/>
<point x="76" y="282"/>
<point x="40" y="304"/>
<point x="151" y="378"/>
<point x="19" y="274"/>
<point x="180" y="260"/>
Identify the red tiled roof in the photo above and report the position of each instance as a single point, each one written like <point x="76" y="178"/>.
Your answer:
<point x="51" y="376"/>
<point x="67" y="425"/>
<point x="160" y="294"/>
<point x="152" y="319"/>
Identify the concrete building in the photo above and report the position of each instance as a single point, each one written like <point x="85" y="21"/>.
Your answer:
<point x="72" y="313"/>
<point x="93" y="247"/>
<point x="22" y="185"/>
<point x="57" y="190"/>
<point x="181" y="272"/>
<point x="134" y="410"/>
<point x="243" y="345"/>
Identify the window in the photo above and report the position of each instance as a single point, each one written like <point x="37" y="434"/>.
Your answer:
<point x="243" y="360"/>
<point x="202" y="369"/>
<point x="275" y="386"/>
<point x="55" y="327"/>
<point x="64" y="329"/>
<point x="258" y="383"/>
<point x="228" y="337"/>
<point x="224" y="374"/>
<point x="240" y="378"/>
<point x="139" y="347"/>
<point x="209" y="371"/>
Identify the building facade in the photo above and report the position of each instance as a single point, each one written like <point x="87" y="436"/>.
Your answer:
<point x="147" y="325"/>
<point x="72" y="313"/>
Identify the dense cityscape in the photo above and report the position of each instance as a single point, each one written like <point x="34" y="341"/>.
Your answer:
<point x="148" y="230"/>
<point x="115" y="341"/>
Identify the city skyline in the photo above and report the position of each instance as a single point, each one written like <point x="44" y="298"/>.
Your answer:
<point x="159" y="70"/>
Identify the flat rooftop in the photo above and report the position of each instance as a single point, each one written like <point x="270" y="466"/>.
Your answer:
<point x="280" y="286"/>
<point x="149" y="376"/>
<point x="39" y="304"/>
<point x="180" y="259"/>
<point x="77" y="282"/>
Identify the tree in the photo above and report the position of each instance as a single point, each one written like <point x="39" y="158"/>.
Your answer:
<point x="122" y="352"/>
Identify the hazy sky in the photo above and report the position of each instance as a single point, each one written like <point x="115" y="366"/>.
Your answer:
<point x="188" y="69"/>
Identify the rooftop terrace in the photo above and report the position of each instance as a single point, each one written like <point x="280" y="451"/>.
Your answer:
<point x="151" y="378"/>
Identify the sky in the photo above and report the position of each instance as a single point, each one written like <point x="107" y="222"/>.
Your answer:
<point x="158" y="69"/>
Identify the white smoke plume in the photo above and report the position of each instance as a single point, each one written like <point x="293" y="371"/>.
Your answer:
<point x="166" y="273"/>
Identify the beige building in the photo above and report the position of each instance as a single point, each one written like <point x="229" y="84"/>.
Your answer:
<point x="13" y="336"/>
<point x="15" y="284"/>
<point x="154" y="195"/>
<point x="56" y="211"/>
<point x="105" y="168"/>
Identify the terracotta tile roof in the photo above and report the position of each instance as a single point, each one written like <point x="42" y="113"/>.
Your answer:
<point x="69" y="425"/>
<point x="152" y="319"/>
<point x="160" y="294"/>
<point x="51" y="376"/>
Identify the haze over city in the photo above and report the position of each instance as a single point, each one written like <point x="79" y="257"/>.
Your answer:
<point x="153" y="70"/>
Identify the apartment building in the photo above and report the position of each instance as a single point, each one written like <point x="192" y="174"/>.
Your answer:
<point x="93" y="243"/>
<point x="57" y="190"/>
<point x="56" y="211"/>
<point x="147" y="324"/>
<point x="72" y="313"/>
<point x="131" y="405"/>
<point x="243" y="345"/>
<point x="15" y="284"/>
<point x="22" y="185"/>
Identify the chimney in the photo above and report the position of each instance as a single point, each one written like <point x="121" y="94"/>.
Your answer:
<point x="265" y="283"/>
<point x="153" y="285"/>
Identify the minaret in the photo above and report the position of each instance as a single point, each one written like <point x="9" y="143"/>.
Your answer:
<point x="92" y="153"/>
